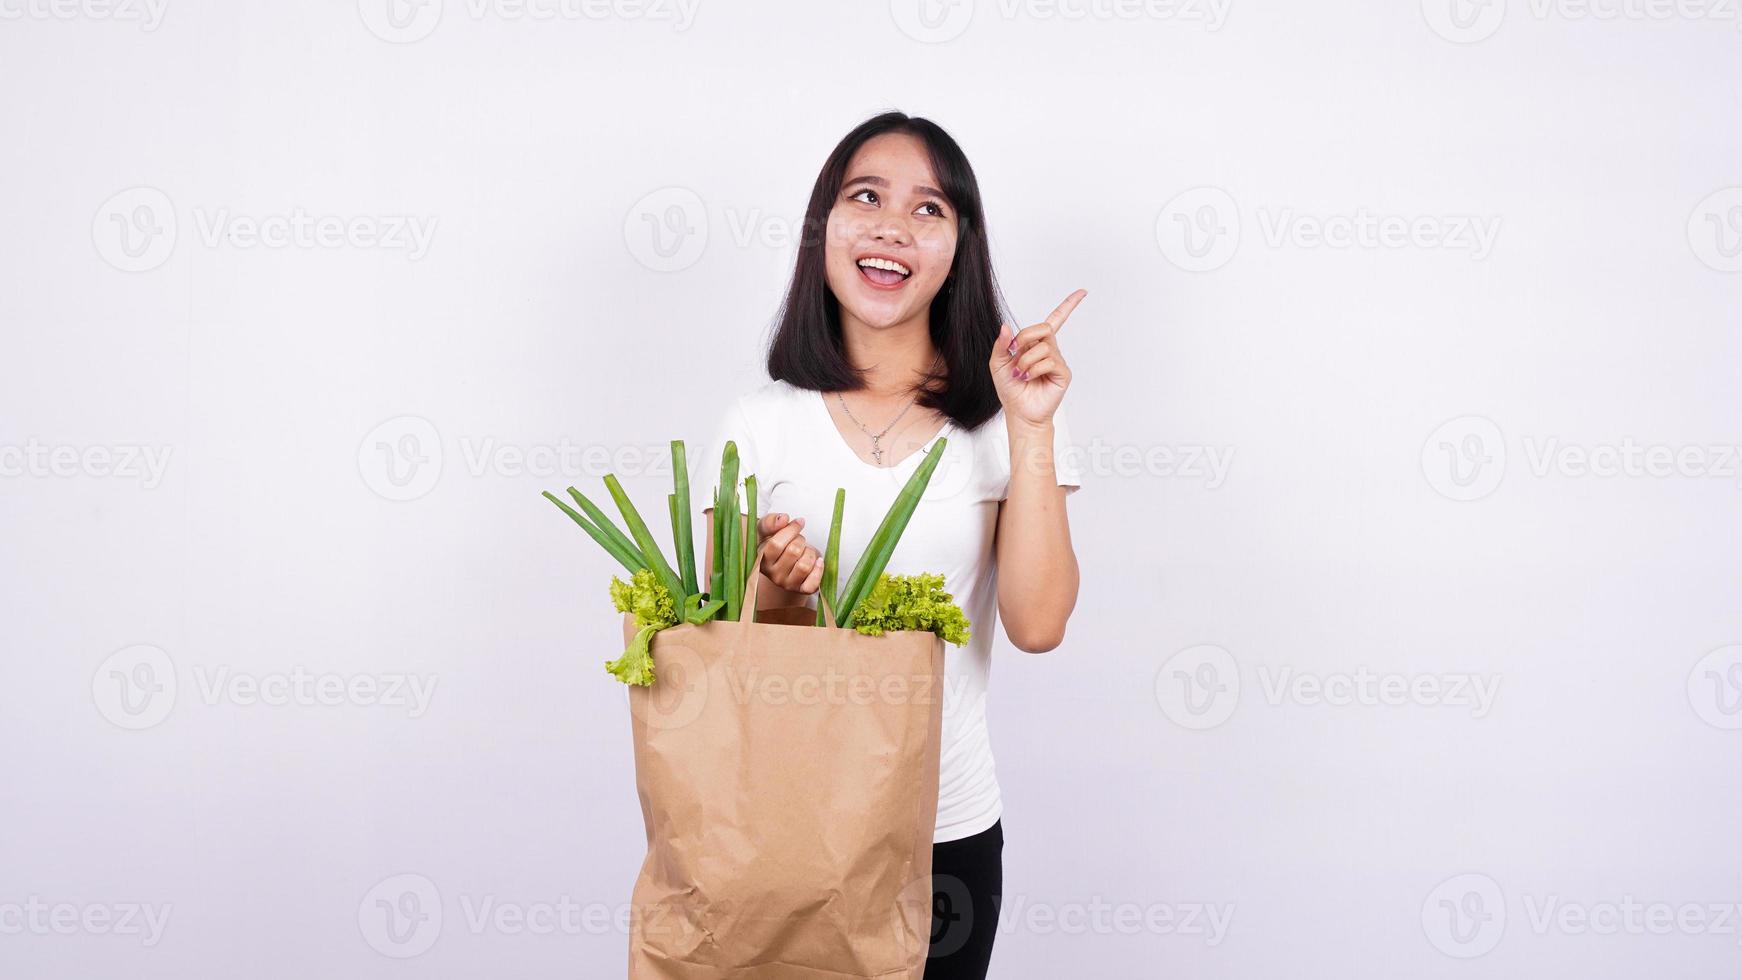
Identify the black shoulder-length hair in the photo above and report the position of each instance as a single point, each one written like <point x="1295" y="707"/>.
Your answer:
<point x="807" y="350"/>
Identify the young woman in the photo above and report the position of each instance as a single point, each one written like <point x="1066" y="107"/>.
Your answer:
<point x="891" y="335"/>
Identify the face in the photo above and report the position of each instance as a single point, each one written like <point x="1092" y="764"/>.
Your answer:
<point x="889" y="212"/>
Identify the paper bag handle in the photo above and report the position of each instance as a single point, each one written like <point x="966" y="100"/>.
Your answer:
<point x="748" y="613"/>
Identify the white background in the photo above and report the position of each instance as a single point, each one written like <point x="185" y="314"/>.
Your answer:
<point x="1179" y="754"/>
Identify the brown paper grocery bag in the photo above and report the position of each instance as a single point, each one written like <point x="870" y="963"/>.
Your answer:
<point x="788" y="777"/>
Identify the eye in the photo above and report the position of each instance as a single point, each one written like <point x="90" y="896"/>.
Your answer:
<point x="937" y="209"/>
<point x="861" y="193"/>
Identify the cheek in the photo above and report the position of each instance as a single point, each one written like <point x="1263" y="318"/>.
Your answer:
<point x="938" y="255"/>
<point x="834" y="239"/>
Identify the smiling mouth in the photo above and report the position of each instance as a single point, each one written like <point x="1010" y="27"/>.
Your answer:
<point x="884" y="273"/>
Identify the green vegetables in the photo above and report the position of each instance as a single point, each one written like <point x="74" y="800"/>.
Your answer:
<point x="653" y="609"/>
<point x="911" y="602"/>
<point x="661" y="594"/>
<point x="883" y="541"/>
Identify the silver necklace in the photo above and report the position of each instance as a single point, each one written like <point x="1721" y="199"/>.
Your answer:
<point x="876" y="447"/>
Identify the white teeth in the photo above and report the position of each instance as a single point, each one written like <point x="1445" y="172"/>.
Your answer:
<point x="886" y="264"/>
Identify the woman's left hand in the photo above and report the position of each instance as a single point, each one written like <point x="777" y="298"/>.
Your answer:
<point x="1029" y="372"/>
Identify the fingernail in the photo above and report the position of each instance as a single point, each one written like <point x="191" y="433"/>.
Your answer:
<point x="1012" y="347"/>
<point x="1023" y="375"/>
<point x="1014" y="373"/>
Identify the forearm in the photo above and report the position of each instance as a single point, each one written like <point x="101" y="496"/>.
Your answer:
<point x="1037" y="567"/>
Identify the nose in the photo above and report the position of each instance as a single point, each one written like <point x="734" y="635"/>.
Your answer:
<point x="891" y="229"/>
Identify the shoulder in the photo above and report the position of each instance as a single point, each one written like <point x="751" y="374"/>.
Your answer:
<point x="772" y="403"/>
<point x="774" y="393"/>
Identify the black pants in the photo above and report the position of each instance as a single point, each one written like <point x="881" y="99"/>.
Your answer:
<point x="967" y="881"/>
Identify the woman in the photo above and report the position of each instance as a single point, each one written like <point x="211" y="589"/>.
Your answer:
<point x="891" y="335"/>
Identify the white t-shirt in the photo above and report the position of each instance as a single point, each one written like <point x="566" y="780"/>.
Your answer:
<point x="787" y="438"/>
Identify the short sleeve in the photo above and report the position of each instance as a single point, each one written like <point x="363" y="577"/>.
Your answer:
<point x="1066" y="459"/>
<point x="734" y="426"/>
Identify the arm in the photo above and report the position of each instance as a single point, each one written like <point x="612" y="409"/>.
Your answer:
<point x="1037" y="567"/>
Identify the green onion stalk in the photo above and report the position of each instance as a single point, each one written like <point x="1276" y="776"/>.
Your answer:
<point x="831" y="561"/>
<point x="882" y="546"/>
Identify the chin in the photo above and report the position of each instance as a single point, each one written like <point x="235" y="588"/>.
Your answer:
<point x="878" y="316"/>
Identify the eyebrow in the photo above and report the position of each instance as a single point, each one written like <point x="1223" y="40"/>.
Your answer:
<point x="880" y="182"/>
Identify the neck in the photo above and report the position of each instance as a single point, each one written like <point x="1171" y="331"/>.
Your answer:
<point x="890" y="359"/>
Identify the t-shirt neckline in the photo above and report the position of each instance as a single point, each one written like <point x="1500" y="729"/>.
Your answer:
<point x="828" y="421"/>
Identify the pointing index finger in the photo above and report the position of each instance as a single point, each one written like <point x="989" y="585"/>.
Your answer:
<point x="1058" y="315"/>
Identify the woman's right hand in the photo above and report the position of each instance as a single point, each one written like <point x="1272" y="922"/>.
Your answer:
<point x="787" y="560"/>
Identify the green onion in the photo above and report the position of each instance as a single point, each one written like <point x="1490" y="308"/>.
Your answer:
<point x="684" y="534"/>
<point x="823" y="597"/>
<point x="751" y="531"/>
<point x="630" y="559"/>
<point x="698" y="616"/>
<point x="644" y="539"/>
<point x="832" y="557"/>
<point x="671" y="505"/>
<point x="726" y="523"/>
<point x="604" y="523"/>
<point x="876" y="557"/>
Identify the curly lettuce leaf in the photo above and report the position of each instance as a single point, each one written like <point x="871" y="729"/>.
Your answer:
<point x="911" y="602"/>
<point x="636" y="664"/>
<point x="652" y="605"/>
